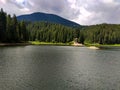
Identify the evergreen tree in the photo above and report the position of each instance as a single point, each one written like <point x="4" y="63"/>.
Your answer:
<point x="2" y="26"/>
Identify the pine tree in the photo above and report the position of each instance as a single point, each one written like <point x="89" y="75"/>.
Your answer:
<point x="2" y="26"/>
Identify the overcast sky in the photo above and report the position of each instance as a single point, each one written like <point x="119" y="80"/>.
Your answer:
<point x="84" y="12"/>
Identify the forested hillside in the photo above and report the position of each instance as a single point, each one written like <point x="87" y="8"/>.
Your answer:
<point x="50" y="32"/>
<point x="102" y="34"/>
<point x="11" y="30"/>
<point x="51" y="18"/>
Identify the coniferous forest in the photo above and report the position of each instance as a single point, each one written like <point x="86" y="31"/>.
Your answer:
<point x="13" y="31"/>
<point x="102" y="34"/>
<point x="49" y="32"/>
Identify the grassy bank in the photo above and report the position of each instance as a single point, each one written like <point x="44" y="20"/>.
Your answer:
<point x="118" y="45"/>
<point x="102" y="45"/>
<point x="50" y="43"/>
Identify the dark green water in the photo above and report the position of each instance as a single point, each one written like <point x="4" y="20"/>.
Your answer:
<point x="59" y="68"/>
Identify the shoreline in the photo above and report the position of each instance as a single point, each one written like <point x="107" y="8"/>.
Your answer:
<point x="14" y="44"/>
<point x="56" y="44"/>
<point x="77" y="44"/>
<point x="100" y="46"/>
<point x="92" y="46"/>
<point x="48" y="43"/>
<point x="103" y="45"/>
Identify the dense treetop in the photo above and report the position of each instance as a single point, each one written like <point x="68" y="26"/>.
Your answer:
<point x="102" y="34"/>
<point x="12" y="31"/>
<point x="50" y="32"/>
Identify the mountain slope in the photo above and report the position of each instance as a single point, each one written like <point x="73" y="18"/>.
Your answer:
<point x="48" y="18"/>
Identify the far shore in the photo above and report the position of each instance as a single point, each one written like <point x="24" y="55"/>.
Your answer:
<point x="77" y="44"/>
<point x="49" y="43"/>
<point x="94" y="47"/>
<point x="102" y="46"/>
<point x="14" y="44"/>
<point x="57" y="43"/>
<point x="91" y="46"/>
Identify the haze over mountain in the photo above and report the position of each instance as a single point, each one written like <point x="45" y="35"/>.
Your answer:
<point x="38" y="16"/>
<point x="84" y="12"/>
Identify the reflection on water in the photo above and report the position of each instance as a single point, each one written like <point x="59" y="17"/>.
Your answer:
<point x="59" y="68"/>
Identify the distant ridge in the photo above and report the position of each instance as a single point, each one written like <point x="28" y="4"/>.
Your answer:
<point x="38" y="16"/>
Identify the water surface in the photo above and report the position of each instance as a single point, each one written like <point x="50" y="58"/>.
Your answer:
<point x="59" y="68"/>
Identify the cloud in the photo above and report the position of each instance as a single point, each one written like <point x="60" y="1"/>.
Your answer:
<point x="98" y="11"/>
<point x="85" y="12"/>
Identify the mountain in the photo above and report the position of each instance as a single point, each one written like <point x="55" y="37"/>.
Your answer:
<point x="47" y="18"/>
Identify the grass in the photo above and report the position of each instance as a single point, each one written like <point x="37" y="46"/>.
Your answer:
<point x="111" y="45"/>
<point x="50" y="43"/>
<point x="102" y="45"/>
<point x="94" y="44"/>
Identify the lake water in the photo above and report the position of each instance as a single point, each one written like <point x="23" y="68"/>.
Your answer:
<point x="59" y="68"/>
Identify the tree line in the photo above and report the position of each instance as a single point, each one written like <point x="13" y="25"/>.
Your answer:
<point x="50" y="32"/>
<point x="11" y="30"/>
<point x="101" y="34"/>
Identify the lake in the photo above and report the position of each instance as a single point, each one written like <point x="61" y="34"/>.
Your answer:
<point x="59" y="68"/>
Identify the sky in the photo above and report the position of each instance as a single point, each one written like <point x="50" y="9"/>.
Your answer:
<point x="84" y="12"/>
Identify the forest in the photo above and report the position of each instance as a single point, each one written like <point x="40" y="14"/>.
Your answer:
<point x="101" y="34"/>
<point x="50" y="32"/>
<point x="14" y="31"/>
<point x="11" y="30"/>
